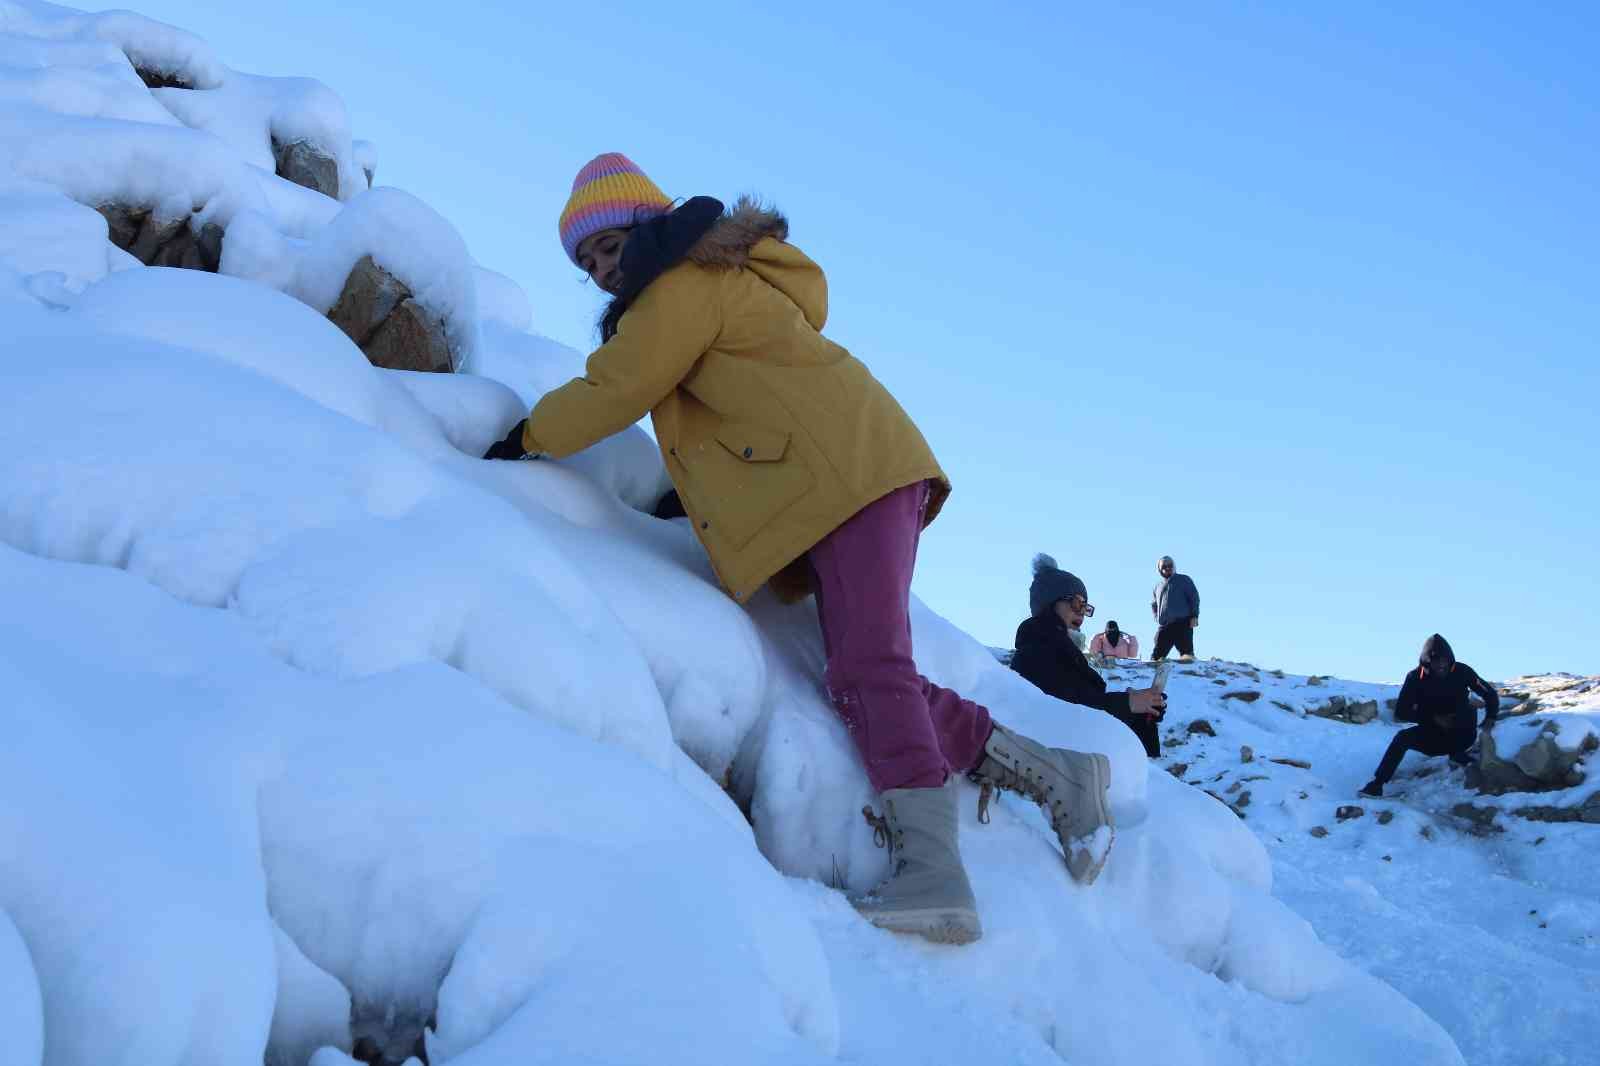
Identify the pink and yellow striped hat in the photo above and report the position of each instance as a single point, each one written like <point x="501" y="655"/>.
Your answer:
<point x="609" y="191"/>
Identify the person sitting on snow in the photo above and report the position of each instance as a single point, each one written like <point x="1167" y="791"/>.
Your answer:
<point x="1047" y="656"/>
<point x="796" y="467"/>
<point x="1113" y="643"/>
<point x="1435" y="696"/>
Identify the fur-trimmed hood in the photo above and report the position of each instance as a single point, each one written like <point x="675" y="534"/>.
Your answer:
<point x="750" y="236"/>
<point x="728" y="242"/>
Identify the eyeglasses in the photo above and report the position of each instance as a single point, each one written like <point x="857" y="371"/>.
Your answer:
<point x="1082" y="606"/>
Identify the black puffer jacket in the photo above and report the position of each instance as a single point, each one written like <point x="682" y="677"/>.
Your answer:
<point x="1436" y="696"/>
<point x="1047" y="656"/>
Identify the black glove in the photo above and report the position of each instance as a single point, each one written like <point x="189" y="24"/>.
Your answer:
<point x="670" y="506"/>
<point x="509" y="448"/>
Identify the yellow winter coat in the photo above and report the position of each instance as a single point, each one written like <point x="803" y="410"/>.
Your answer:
<point x="772" y="434"/>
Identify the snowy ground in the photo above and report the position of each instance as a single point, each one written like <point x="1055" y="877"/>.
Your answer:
<point x="1495" y="934"/>
<point x="317" y="723"/>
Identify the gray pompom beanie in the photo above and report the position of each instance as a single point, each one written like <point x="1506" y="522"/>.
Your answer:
<point x="1051" y="583"/>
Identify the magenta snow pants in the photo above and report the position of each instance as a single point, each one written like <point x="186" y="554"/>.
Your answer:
<point x="911" y="733"/>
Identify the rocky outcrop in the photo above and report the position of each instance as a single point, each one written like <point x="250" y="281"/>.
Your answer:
<point x="1340" y="709"/>
<point x="377" y="311"/>
<point x="1540" y="765"/>
<point x="156" y="241"/>
<point x="304" y="163"/>
<point x="1588" y="811"/>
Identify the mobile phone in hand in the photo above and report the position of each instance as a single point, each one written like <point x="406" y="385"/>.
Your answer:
<point x="1163" y="671"/>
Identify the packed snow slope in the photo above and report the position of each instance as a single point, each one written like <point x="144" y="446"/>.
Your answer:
<point x="1478" y="908"/>
<point x="317" y="723"/>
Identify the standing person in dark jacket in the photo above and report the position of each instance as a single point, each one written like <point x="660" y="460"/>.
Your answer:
<point x="1048" y="656"/>
<point x="1176" y="606"/>
<point x="1435" y="696"/>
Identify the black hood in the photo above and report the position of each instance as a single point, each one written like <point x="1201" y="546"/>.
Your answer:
<point x="1435" y="645"/>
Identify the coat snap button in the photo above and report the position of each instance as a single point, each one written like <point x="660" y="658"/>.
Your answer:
<point x="748" y="452"/>
<point x="672" y="451"/>
<point x="705" y="525"/>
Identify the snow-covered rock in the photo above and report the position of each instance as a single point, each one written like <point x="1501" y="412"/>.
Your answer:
<point x="314" y="717"/>
<point x="192" y="164"/>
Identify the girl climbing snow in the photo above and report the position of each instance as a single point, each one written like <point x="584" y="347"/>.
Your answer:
<point x="799" y="470"/>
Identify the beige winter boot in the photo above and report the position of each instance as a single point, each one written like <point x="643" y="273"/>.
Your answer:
<point x="1069" y="785"/>
<point x="927" y="892"/>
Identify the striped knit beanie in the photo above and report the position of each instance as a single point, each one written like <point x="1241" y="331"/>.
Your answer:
<point x="610" y="191"/>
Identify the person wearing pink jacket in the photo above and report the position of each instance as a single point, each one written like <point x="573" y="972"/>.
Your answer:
<point x="1114" y="643"/>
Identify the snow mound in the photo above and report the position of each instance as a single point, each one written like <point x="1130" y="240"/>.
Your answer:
<point x="321" y="726"/>
<point x="117" y="112"/>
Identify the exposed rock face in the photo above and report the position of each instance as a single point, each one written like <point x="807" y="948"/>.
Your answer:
<point x="162" y="79"/>
<point x="1540" y="765"/>
<point x="1342" y="710"/>
<point x="410" y="339"/>
<point x="1480" y="820"/>
<point x="1588" y="811"/>
<point x="157" y="241"/>
<point x="370" y="295"/>
<point x="376" y="310"/>
<point x="306" y="164"/>
<point x="1362" y="712"/>
<point x="1202" y="727"/>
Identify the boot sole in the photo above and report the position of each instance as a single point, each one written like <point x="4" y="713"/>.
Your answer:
<point x="939" y="924"/>
<point x="1088" y="876"/>
<point x="1100" y="772"/>
<point x="1100" y="781"/>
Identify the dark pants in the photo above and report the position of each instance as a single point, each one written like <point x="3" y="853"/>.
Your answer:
<point x="1179" y="633"/>
<point x="911" y="733"/>
<point x="1427" y="741"/>
<point x="1146" y="728"/>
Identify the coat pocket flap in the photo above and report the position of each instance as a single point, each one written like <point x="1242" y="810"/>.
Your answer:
<point x="753" y="444"/>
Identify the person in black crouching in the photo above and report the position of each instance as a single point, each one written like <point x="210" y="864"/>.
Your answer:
<point x="1435" y="696"/>
<point x="1047" y="655"/>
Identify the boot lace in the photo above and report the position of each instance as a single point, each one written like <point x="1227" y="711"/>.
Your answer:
<point x="885" y="835"/>
<point x="995" y="776"/>
<point x="985" y="795"/>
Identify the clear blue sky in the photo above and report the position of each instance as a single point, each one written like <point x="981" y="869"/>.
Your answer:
<point x="1303" y="295"/>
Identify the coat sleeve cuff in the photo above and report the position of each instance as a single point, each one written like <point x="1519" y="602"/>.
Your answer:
<point x="530" y="443"/>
